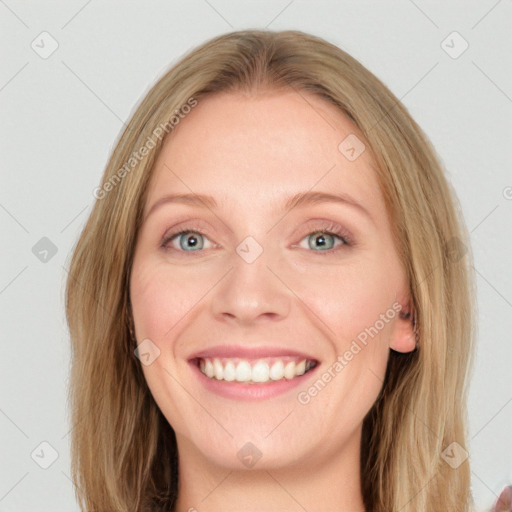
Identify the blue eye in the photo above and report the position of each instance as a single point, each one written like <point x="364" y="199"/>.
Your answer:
<point x="191" y="243"/>
<point x="324" y="242"/>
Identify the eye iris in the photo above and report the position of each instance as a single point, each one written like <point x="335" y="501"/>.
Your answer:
<point x="192" y="239"/>
<point x="321" y="239"/>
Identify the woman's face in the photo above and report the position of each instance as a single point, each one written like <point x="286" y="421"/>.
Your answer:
<point x="262" y="340"/>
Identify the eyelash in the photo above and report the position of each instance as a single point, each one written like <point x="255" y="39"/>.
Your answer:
<point x="329" y="228"/>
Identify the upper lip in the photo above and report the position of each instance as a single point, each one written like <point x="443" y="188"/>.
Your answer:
<point x="244" y="352"/>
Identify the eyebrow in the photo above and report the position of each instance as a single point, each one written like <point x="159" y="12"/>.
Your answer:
<point x="297" y="200"/>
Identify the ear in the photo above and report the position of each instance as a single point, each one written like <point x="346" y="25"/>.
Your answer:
<point x="403" y="336"/>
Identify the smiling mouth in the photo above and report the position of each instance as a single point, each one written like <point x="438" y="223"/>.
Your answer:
<point x="258" y="371"/>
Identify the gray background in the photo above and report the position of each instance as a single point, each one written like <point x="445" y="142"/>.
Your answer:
<point x="61" y="115"/>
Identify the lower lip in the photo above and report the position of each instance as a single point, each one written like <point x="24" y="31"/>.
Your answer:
<point x="241" y="391"/>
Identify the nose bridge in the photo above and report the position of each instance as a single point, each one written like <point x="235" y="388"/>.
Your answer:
<point x="251" y="289"/>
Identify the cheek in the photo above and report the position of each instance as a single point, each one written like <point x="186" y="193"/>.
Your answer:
<point x="351" y="299"/>
<point x="161" y="298"/>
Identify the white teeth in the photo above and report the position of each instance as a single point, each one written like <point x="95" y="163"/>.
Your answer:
<point x="218" y="369"/>
<point x="243" y="372"/>
<point x="289" y="370"/>
<point x="300" y="369"/>
<point x="262" y="371"/>
<point x="208" y="368"/>
<point x="229" y="371"/>
<point x="277" y="370"/>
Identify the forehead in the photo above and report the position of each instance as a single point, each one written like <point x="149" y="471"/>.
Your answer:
<point x="245" y="150"/>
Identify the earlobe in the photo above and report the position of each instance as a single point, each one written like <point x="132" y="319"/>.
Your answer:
<point x="403" y="338"/>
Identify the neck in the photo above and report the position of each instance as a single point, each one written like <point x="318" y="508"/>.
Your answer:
<point x="326" y="482"/>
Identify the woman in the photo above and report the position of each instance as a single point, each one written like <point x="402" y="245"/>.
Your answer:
<point x="271" y="305"/>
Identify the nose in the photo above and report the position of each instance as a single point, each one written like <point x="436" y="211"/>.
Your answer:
<point x="251" y="292"/>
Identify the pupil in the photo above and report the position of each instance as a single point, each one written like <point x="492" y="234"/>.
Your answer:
<point x="321" y="240"/>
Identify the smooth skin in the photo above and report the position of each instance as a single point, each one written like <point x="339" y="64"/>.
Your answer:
<point x="305" y="293"/>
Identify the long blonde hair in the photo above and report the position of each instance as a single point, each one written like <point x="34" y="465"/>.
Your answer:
<point x="124" y="454"/>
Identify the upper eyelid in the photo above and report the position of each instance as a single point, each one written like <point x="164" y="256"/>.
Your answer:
<point x="200" y="226"/>
<point x="186" y="230"/>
